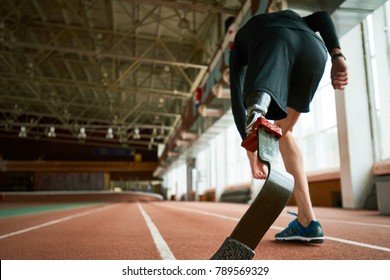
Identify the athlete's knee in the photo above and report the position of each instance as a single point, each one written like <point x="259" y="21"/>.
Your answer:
<point x="286" y="127"/>
<point x="287" y="124"/>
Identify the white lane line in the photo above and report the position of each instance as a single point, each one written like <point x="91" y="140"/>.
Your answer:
<point x="53" y="222"/>
<point x="161" y="245"/>
<point x="356" y="223"/>
<point x="348" y="222"/>
<point x="358" y="244"/>
<point x="346" y="241"/>
<point x="350" y="242"/>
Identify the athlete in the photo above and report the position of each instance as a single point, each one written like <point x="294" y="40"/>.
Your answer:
<point x="276" y="64"/>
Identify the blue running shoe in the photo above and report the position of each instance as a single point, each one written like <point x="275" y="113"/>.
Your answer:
<point x="296" y="232"/>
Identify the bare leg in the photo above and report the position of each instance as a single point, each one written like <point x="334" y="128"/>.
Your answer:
<point x="293" y="162"/>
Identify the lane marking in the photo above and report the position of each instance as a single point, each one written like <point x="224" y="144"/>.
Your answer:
<point x="356" y="223"/>
<point x="57" y="221"/>
<point x="19" y="211"/>
<point x="347" y="222"/>
<point x="346" y="241"/>
<point x="162" y="246"/>
<point x="358" y="243"/>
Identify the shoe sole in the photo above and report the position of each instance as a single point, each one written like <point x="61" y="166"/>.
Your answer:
<point x="314" y="240"/>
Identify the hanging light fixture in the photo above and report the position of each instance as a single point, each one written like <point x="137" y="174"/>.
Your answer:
<point x="136" y="134"/>
<point x="82" y="134"/>
<point x="109" y="134"/>
<point x="23" y="132"/>
<point x="52" y="132"/>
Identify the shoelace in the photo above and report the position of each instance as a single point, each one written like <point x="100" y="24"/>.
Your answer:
<point x="292" y="213"/>
<point x="292" y="223"/>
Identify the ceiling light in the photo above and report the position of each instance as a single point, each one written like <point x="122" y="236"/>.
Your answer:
<point x="52" y="132"/>
<point x="109" y="134"/>
<point x="82" y="134"/>
<point x="23" y="132"/>
<point x="161" y="102"/>
<point x="136" y="134"/>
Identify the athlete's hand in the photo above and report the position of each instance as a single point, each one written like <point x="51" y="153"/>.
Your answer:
<point x="259" y="170"/>
<point x="339" y="73"/>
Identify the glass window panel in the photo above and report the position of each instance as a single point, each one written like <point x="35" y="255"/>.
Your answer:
<point x="378" y="46"/>
<point x="316" y="131"/>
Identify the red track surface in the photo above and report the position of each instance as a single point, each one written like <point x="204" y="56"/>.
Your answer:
<point x="192" y="231"/>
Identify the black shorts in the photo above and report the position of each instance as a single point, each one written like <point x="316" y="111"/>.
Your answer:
<point x="288" y="64"/>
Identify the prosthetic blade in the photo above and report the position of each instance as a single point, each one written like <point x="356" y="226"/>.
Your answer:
<point x="233" y="250"/>
<point x="272" y="198"/>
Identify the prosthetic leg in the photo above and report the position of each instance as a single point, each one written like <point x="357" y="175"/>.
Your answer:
<point x="273" y="197"/>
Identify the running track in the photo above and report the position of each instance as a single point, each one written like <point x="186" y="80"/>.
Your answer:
<point x="179" y="230"/>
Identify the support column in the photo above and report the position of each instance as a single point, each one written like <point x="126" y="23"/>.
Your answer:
<point x="190" y="181"/>
<point x="106" y="178"/>
<point x="354" y="126"/>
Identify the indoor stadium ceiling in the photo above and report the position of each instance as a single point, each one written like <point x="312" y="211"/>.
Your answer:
<point x="105" y="72"/>
<point x="113" y="73"/>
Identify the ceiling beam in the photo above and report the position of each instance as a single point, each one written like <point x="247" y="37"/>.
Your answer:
<point x="189" y="6"/>
<point x="109" y="55"/>
<point x="95" y="86"/>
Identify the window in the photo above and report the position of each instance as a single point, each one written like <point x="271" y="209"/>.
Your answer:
<point x="238" y="168"/>
<point x="377" y="45"/>
<point x="316" y="131"/>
